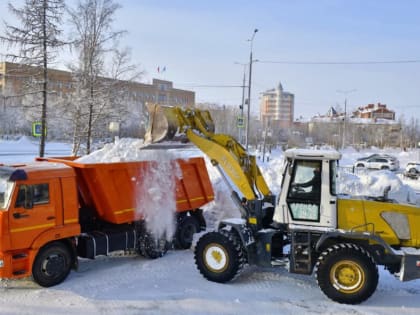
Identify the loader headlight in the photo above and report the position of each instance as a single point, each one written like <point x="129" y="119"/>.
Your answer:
<point x="1" y="263"/>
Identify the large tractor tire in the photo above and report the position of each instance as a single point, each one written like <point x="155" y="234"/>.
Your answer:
<point x="346" y="273"/>
<point x="151" y="247"/>
<point x="187" y="227"/>
<point x="52" y="264"/>
<point x="219" y="256"/>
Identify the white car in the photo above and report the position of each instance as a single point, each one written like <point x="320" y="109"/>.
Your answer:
<point x="379" y="163"/>
<point x="412" y="170"/>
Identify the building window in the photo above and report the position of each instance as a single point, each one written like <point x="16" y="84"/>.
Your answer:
<point x="162" y="98"/>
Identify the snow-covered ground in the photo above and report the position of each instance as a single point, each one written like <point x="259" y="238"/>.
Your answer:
<point x="132" y="284"/>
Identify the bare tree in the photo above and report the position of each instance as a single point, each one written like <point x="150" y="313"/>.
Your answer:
<point x="92" y="22"/>
<point x="125" y="106"/>
<point x="38" y="38"/>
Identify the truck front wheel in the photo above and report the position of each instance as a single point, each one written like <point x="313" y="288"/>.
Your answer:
<point x="218" y="256"/>
<point x="346" y="273"/>
<point x="52" y="264"/>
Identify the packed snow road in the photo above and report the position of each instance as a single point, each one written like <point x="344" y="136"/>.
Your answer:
<point x="172" y="285"/>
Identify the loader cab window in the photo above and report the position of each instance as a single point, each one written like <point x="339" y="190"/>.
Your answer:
<point x="304" y="195"/>
<point x="32" y="195"/>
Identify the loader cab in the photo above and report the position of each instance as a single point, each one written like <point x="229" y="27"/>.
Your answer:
<point x="308" y="192"/>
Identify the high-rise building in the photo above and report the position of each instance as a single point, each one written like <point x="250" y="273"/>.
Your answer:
<point x="277" y="107"/>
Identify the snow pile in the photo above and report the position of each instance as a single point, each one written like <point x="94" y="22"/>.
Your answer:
<point x="374" y="184"/>
<point x="125" y="149"/>
<point x="273" y="171"/>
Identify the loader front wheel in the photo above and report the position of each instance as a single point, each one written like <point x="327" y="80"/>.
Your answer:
<point x="346" y="273"/>
<point x="218" y="256"/>
<point x="52" y="265"/>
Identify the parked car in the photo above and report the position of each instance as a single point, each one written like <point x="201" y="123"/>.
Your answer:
<point x="378" y="155"/>
<point x="412" y="170"/>
<point x="378" y="161"/>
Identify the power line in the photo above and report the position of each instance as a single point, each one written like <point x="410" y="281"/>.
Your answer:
<point x="372" y="62"/>
<point x="207" y="85"/>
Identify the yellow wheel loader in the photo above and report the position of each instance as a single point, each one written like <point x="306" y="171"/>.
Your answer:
<point x="308" y="228"/>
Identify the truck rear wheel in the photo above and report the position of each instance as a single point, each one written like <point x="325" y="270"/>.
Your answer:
<point x="52" y="264"/>
<point x="186" y="229"/>
<point x="346" y="273"/>
<point x="151" y="247"/>
<point x="218" y="256"/>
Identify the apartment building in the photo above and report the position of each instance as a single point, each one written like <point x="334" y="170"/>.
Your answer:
<point x="277" y="107"/>
<point x="374" y="111"/>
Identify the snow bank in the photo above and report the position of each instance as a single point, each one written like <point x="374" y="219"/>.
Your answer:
<point x="374" y="184"/>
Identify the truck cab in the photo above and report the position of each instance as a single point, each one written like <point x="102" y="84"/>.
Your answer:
<point x="308" y="195"/>
<point x="34" y="212"/>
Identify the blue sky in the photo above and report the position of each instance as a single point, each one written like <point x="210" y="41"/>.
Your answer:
<point x="199" y="42"/>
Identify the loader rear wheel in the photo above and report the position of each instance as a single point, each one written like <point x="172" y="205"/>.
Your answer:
<point x="186" y="229"/>
<point x="346" y="273"/>
<point x="52" y="265"/>
<point x="218" y="256"/>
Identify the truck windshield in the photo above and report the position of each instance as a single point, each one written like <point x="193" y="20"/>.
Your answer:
<point x="6" y="188"/>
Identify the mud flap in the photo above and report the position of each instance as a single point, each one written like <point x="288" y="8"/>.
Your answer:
<point x="410" y="267"/>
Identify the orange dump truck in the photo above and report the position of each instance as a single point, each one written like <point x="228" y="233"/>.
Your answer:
<point x="55" y="210"/>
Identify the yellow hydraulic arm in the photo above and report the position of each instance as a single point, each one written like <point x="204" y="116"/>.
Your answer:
<point x="223" y="150"/>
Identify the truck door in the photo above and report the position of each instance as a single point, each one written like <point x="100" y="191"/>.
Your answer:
<point x="33" y="213"/>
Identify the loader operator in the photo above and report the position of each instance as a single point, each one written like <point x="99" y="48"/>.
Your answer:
<point x="314" y="185"/>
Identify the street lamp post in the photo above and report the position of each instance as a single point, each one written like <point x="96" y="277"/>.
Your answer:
<point x="343" y="144"/>
<point x="249" y="89"/>
<point x="243" y="100"/>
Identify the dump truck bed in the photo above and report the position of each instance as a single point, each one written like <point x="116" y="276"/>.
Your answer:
<point x="112" y="189"/>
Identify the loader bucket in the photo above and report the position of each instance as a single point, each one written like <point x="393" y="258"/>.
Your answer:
<point x="163" y="123"/>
